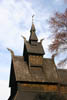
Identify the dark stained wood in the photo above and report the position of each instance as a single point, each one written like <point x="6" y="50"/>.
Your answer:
<point x="33" y="77"/>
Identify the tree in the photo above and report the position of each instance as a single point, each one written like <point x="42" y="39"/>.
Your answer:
<point x="58" y="25"/>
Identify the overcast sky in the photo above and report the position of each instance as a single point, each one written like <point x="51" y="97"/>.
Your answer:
<point x="16" y="20"/>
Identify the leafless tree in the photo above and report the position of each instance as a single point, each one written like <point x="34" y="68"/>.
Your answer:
<point x="58" y="25"/>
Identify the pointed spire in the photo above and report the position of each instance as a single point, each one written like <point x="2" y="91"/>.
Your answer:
<point x="33" y="36"/>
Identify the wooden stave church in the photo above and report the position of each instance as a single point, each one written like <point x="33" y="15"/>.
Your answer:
<point x="33" y="77"/>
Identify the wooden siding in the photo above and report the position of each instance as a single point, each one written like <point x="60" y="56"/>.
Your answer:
<point x="43" y="88"/>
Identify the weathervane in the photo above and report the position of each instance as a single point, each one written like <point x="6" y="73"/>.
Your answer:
<point x="33" y="18"/>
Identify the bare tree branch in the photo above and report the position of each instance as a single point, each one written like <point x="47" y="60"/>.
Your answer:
<point x="58" y="25"/>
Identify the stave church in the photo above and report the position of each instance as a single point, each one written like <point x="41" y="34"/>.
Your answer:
<point x="33" y="77"/>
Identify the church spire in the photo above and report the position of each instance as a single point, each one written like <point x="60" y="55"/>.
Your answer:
<point x="33" y="36"/>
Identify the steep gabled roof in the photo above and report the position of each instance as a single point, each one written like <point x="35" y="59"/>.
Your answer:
<point x="37" y="49"/>
<point x="47" y="73"/>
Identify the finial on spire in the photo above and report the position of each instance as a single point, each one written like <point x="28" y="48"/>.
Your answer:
<point x="32" y="18"/>
<point x="32" y="27"/>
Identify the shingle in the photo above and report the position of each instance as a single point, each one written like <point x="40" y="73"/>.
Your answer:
<point x="50" y="70"/>
<point x="37" y="49"/>
<point x="33" y="37"/>
<point x="46" y="73"/>
<point x="63" y="76"/>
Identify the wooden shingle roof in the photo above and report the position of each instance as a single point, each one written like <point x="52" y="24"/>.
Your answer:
<point x="37" y="49"/>
<point x="46" y="73"/>
<point x="63" y="76"/>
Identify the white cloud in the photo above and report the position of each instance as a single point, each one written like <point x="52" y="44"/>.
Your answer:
<point x="13" y="17"/>
<point x="4" y="90"/>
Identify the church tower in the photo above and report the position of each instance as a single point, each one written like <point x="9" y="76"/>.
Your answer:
<point x="33" y="50"/>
